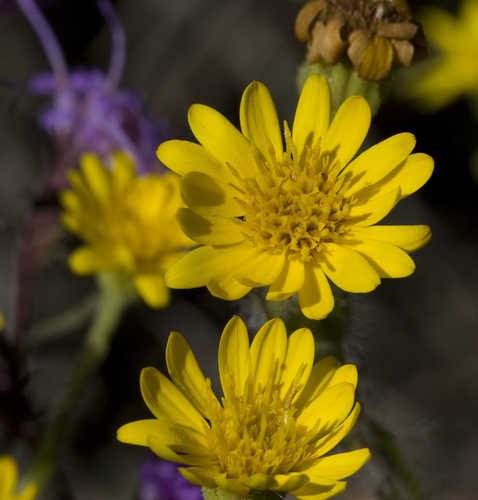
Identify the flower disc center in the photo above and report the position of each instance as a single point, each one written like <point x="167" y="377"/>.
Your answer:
<point x="295" y="205"/>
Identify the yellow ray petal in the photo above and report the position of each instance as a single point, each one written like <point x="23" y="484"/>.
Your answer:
<point x="140" y="433"/>
<point x="339" y="466"/>
<point x="389" y="261"/>
<point x="298" y="360"/>
<point x="122" y="170"/>
<point x="227" y="288"/>
<point x="288" y="482"/>
<point x="200" y="476"/>
<point x="259" y="122"/>
<point x="165" y="400"/>
<point x="70" y="200"/>
<point x="320" y="377"/>
<point x="96" y="176"/>
<point x="85" y="260"/>
<point x="411" y="175"/>
<point x="258" y="482"/>
<point x="313" y="112"/>
<point x="370" y="211"/>
<point x="260" y="269"/>
<point x="345" y="373"/>
<point x="328" y="491"/>
<point x="206" y="195"/>
<point x="268" y="351"/>
<point x="333" y="405"/>
<point x="349" y="270"/>
<point x="410" y="238"/>
<point x="221" y="139"/>
<point x="201" y="265"/>
<point x="344" y="136"/>
<point x="210" y="231"/>
<point x="376" y="162"/>
<point x="180" y="447"/>
<point x="152" y="289"/>
<point x="315" y="297"/>
<point x="233" y="357"/>
<point x="331" y="440"/>
<point x="8" y="476"/>
<point x="183" y="157"/>
<point x="137" y="432"/>
<point x="186" y="374"/>
<point x="290" y="280"/>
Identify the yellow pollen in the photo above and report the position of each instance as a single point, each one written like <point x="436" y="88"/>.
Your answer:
<point x="294" y="205"/>
<point x="256" y="432"/>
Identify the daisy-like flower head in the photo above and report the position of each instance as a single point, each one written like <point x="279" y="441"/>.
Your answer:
<point x="297" y="218"/>
<point x="455" y="71"/>
<point x="128" y="223"/>
<point x="9" y="479"/>
<point x="279" y="416"/>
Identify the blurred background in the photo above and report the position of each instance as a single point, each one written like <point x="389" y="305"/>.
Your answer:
<point x="414" y="340"/>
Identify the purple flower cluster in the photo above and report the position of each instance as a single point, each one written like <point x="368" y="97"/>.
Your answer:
<point x="161" y="480"/>
<point x="87" y="112"/>
<point x="88" y="115"/>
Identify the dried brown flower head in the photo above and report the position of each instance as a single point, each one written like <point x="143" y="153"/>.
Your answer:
<point x="373" y="33"/>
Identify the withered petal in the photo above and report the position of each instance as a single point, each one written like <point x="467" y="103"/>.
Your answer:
<point x="332" y="44"/>
<point x="399" y="31"/>
<point x="358" y="42"/>
<point x="377" y="59"/>
<point x="305" y="18"/>
<point x="404" y="51"/>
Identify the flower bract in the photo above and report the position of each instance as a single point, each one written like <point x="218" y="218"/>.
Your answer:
<point x="455" y="71"/>
<point x="9" y="479"/>
<point x="280" y="414"/>
<point x="128" y="223"/>
<point x="296" y="217"/>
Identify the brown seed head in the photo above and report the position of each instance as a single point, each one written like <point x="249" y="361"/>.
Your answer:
<point x="373" y="33"/>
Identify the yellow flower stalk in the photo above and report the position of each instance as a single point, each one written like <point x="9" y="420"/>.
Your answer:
<point x="9" y="479"/>
<point x="128" y="223"/>
<point x="293" y="218"/>
<point x="455" y="71"/>
<point x="279" y="416"/>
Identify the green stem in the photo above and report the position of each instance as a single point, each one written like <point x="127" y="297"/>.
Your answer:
<point x="111" y="303"/>
<point x="60" y="325"/>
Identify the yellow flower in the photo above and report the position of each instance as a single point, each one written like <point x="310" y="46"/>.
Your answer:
<point x="455" y="71"/>
<point x="2" y="321"/>
<point x="279" y="416"/>
<point x="128" y="223"/>
<point x="295" y="219"/>
<point x="8" y="481"/>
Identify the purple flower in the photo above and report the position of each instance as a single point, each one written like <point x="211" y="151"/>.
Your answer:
<point x="161" y="480"/>
<point x="88" y="113"/>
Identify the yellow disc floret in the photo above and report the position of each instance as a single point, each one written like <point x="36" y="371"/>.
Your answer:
<point x="294" y="205"/>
